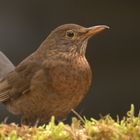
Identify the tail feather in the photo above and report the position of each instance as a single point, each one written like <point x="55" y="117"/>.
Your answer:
<point x="6" y="65"/>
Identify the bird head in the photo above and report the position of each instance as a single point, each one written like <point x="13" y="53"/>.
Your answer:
<point x="72" y="38"/>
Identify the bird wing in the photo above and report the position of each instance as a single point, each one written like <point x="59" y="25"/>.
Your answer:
<point x="17" y="82"/>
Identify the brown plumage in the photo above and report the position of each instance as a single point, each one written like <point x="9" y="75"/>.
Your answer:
<point x="53" y="79"/>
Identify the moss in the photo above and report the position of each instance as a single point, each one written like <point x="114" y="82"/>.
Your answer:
<point x="80" y="129"/>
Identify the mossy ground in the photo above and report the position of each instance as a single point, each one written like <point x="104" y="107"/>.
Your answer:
<point x="80" y="129"/>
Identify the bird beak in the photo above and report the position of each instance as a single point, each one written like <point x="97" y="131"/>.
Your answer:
<point x="91" y="31"/>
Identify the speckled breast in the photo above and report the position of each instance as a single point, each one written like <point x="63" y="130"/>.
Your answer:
<point x="71" y="82"/>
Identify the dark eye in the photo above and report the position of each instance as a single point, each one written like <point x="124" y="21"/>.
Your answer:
<point x="70" y="33"/>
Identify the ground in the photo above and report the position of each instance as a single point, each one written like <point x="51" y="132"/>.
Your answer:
<point x="105" y="128"/>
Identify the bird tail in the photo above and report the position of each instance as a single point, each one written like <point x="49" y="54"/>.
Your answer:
<point x="6" y="65"/>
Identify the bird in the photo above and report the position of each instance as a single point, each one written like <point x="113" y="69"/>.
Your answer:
<point x="52" y="80"/>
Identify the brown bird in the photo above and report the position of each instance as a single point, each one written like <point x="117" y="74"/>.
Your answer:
<point x="53" y="79"/>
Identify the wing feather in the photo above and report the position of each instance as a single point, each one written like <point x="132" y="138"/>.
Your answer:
<point x="17" y="82"/>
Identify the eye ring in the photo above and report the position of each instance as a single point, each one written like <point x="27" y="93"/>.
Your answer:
<point x="70" y="34"/>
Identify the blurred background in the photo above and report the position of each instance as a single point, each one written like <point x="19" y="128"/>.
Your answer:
<point x="114" y="55"/>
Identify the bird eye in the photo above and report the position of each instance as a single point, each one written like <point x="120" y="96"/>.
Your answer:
<point x="70" y="33"/>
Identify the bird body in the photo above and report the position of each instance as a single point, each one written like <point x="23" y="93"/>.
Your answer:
<point x="52" y="80"/>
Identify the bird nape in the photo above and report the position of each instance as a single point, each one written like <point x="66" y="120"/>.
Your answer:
<point x="52" y="80"/>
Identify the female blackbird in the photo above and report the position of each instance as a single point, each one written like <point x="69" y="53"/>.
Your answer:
<point x="53" y="79"/>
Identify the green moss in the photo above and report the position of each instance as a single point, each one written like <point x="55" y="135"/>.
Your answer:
<point x="80" y="129"/>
